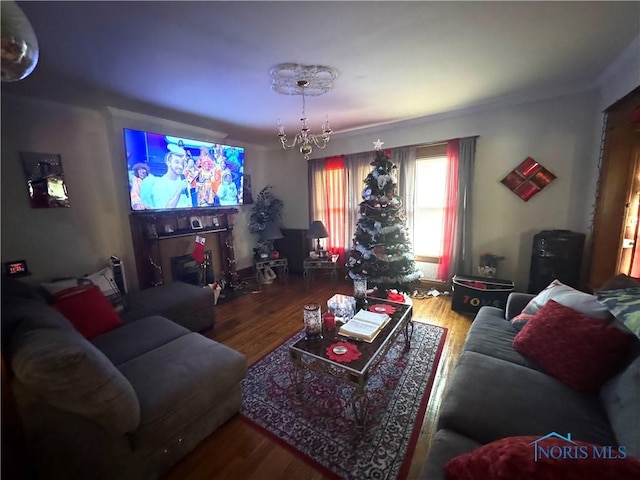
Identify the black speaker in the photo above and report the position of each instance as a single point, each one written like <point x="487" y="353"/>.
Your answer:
<point x="556" y="254"/>
<point x="118" y="274"/>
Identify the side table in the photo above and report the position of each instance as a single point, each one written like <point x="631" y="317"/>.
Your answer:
<point x="310" y="265"/>
<point x="280" y="264"/>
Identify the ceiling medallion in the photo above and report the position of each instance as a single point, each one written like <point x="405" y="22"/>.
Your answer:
<point x="312" y="80"/>
<point x="286" y="78"/>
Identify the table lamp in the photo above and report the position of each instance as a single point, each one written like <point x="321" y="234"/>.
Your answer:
<point x="317" y="230"/>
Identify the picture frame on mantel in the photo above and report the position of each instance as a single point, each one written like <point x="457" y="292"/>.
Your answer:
<point x="44" y="177"/>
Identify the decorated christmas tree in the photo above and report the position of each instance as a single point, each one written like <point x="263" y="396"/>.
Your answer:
<point x="381" y="252"/>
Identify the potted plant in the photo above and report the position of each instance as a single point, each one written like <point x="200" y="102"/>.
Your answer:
<point x="488" y="265"/>
<point x="265" y="213"/>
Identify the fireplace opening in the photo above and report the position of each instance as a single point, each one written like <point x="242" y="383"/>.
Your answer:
<point x="184" y="268"/>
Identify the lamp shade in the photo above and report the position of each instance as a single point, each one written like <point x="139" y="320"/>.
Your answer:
<point x="317" y="230"/>
<point x="271" y="232"/>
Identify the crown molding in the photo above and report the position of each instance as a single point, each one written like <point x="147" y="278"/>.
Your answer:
<point x="216" y="137"/>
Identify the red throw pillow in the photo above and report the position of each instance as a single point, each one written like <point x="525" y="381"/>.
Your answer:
<point x="551" y="457"/>
<point x="87" y="309"/>
<point x="580" y="351"/>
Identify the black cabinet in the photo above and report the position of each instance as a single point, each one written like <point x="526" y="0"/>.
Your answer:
<point x="295" y="246"/>
<point x="556" y="254"/>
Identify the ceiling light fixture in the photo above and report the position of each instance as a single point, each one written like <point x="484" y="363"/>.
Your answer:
<point x="312" y="80"/>
<point x="19" y="44"/>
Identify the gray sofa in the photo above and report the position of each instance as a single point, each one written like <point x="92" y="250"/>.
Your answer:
<point x="129" y="403"/>
<point x="495" y="393"/>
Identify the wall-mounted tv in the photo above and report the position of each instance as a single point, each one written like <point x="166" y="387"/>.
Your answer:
<point x="168" y="172"/>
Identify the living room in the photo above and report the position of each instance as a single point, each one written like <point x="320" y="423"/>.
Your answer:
<point x="559" y="127"/>
<point x="561" y="130"/>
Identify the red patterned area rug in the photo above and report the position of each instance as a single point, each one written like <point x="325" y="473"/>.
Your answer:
<point x="320" y="426"/>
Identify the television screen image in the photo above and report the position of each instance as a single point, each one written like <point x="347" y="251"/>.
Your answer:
<point x="167" y="172"/>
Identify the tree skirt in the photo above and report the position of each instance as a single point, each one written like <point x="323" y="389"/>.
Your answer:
<point x="319" y="426"/>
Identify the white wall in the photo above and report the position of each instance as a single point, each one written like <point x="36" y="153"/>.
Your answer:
<point x="621" y="76"/>
<point x="74" y="241"/>
<point x="59" y="241"/>
<point x="556" y="132"/>
<point x="287" y="173"/>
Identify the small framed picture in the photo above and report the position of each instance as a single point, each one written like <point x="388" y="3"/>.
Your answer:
<point x="183" y="223"/>
<point x="196" y="223"/>
<point x="170" y="226"/>
<point x="207" y="221"/>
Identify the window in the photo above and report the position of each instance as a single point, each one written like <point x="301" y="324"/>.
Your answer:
<point x="328" y="180"/>
<point x="430" y="201"/>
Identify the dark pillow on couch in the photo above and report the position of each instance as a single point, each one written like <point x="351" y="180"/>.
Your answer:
<point x="29" y="314"/>
<point x="515" y="458"/>
<point x="619" y="281"/>
<point x="580" y="351"/>
<point x="13" y="289"/>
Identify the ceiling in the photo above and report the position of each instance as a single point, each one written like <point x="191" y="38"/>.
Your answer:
<point x="207" y="63"/>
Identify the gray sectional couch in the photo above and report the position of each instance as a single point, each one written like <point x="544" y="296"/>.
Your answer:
<point x="495" y="393"/>
<point x="129" y="403"/>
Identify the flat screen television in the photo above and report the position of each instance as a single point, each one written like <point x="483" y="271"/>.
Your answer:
<point x="167" y="172"/>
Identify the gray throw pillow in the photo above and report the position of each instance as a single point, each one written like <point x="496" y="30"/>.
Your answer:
<point x="68" y="372"/>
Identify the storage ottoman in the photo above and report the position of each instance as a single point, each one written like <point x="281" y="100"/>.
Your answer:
<point x="472" y="293"/>
<point x="187" y="305"/>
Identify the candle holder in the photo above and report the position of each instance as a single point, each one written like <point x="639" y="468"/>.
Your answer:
<point x="329" y="321"/>
<point x="342" y="306"/>
<point x="312" y="322"/>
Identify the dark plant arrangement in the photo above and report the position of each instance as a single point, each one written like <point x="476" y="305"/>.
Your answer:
<point x="488" y="266"/>
<point x="266" y="209"/>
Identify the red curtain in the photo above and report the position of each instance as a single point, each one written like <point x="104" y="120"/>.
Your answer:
<point x="450" y="211"/>
<point x="336" y="204"/>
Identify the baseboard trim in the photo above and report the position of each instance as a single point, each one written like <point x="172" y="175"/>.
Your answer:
<point x="429" y="284"/>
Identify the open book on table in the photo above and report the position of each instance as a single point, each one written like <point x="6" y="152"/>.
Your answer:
<point x="365" y="325"/>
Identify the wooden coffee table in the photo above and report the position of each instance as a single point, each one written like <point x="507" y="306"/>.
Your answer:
<point x="312" y="355"/>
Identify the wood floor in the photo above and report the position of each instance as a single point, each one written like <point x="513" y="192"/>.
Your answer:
<point x="255" y="324"/>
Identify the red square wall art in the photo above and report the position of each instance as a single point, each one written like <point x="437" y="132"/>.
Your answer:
<point x="527" y="179"/>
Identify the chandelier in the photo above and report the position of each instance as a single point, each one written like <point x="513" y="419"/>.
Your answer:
<point x="312" y="80"/>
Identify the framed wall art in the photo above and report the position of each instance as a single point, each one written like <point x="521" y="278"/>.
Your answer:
<point x="528" y="179"/>
<point x="45" y="180"/>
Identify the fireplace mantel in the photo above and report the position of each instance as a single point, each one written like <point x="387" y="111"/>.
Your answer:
<point x="159" y="236"/>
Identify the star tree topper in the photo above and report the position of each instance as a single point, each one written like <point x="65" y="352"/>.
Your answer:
<point x="378" y="144"/>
